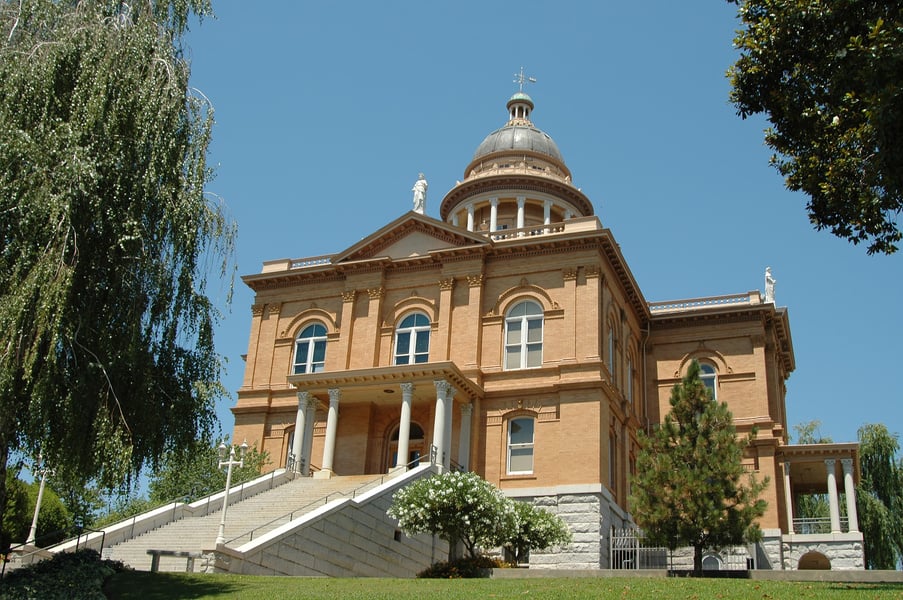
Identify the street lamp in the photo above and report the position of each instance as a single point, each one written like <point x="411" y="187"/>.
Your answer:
<point x="44" y="471"/>
<point x="231" y="462"/>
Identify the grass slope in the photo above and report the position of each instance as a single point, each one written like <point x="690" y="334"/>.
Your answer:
<point x="165" y="586"/>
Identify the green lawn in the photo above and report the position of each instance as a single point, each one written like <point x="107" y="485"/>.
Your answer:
<point x="165" y="586"/>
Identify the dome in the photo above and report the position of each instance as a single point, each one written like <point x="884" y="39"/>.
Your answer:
<point x="519" y="133"/>
<point x="518" y="137"/>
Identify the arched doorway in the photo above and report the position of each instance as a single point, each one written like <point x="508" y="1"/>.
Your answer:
<point x="415" y="447"/>
<point x="814" y="561"/>
<point x="711" y="562"/>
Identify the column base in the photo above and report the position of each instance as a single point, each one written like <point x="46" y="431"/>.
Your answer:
<point x="323" y="474"/>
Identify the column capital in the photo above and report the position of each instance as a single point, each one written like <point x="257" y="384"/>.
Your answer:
<point x="334" y="395"/>
<point x="447" y="283"/>
<point x="467" y="409"/>
<point x="348" y="295"/>
<point x="521" y="200"/>
<point x="494" y="201"/>
<point x="829" y="463"/>
<point x="303" y="398"/>
<point x="847" y="464"/>
<point x="407" y="388"/>
<point x="442" y="387"/>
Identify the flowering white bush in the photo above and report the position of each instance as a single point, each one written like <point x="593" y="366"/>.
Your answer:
<point x="458" y="507"/>
<point x="537" y="529"/>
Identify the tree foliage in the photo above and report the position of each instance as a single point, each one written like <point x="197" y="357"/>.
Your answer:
<point x="812" y="506"/>
<point x="691" y="488"/>
<point x="879" y="497"/>
<point x="458" y="507"/>
<point x="828" y="75"/>
<point x="106" y="237"/>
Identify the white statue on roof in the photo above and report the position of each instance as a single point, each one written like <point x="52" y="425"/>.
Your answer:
<point x="769" y="285"/>
<point x="419" y="190"/>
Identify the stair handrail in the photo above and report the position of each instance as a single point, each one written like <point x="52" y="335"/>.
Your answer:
<point x="325" y="500"/>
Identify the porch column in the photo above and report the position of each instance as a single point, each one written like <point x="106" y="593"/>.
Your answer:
<point x="332" y="425"/>
<point x="300" y="428"/>
<point x="404" y="427"/>
<point x="833" y="503"/>
<point x="464" y="437"/>
<point x="493" y="214"/>
<point x="310" y="419"/>
<point x="470" y="217"/>
<point x="850" y="493"/>
<point x="439" y="420"/>
<point x="447" y="437"/>
<point x="521" y="201"/>
<point x="788" y="497"/>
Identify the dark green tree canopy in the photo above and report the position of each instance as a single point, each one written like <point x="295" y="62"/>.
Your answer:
<point x="691" y="488"/>
<point x="828" y="74"/>
<point x="106" y="236"/>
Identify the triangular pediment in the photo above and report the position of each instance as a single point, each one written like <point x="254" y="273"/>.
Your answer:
<point x="410" y="236"/>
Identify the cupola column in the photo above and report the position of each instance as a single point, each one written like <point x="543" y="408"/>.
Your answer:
<point x="521" y="202"/>
<point x="470" y="216"/>
<point x="547" y="214"/>
<point x="493" y="214"/>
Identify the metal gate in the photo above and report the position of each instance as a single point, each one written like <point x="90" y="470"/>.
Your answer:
<point x="628" y="551"/>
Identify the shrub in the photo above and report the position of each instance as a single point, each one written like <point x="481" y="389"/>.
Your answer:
<point x="69" y="575"/>
<point x="464" y="568"/>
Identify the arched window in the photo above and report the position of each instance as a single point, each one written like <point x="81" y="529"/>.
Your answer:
<point x="310" y="349"/>
<point x="412" y="340"/>
<point x="520" y="445"/>
<point x="523" y="336"/>
<point x="709" y="378"/>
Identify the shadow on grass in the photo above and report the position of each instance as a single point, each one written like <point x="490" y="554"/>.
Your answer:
<point x="165" y="586"/>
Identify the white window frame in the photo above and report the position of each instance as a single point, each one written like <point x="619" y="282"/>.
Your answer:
<point x="314" y="339"/>
<point x="533" y="312"/>
<point x="708" y="374"/>
<point x="416" y="332"/>
<point x="531" y="446"/>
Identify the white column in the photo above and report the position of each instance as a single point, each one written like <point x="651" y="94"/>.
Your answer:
<point x="447" y="436"/>
<point x="788" y="497"/>
<point x="470" y="217"/>
<point x="404" y="427"/>
<point x="455" y="219"/>
<point x="332" y="425"/>
<point x="567" y="214"/>
<point x="521" y="201"/>
<point x="547" y="213"/>
<point x="850" y="492"/>
<point x="298" y="440"/>
<point x="833" y="503"/>
<point x="493" y="214"/>
<point x="464" y="437"/>
<point x="439" y="420"/>
<point x="310" y="419"/>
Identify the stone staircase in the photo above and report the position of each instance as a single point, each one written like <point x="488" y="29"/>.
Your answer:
<point x="246" y="520"/>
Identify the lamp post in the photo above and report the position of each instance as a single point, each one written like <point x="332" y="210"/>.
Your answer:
<point x="44" y="471"/>
<point x="230" y="462"/>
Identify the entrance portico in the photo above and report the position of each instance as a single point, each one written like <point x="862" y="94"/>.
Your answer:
<point x="367" y="400"/>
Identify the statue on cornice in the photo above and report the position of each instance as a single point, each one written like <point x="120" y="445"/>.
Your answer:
<point x="769" y="285"/>
<point x="419" y="190"/>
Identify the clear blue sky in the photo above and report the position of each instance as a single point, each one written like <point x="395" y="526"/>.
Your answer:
<point x="326" y="112"/>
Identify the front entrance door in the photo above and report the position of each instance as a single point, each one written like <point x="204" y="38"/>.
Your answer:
<point x="415" y="447"/>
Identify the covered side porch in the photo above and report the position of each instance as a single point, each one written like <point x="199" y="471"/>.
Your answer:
<point x="390" y="418"/>
<point x="810" y="538"/>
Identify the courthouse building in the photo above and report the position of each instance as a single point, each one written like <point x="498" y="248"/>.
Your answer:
<point x="509" y="337"/>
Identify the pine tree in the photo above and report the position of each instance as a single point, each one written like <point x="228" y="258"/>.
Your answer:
<point x="691" y="488"/>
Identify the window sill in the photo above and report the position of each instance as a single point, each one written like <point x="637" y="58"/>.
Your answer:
<point x="518" y="477"/>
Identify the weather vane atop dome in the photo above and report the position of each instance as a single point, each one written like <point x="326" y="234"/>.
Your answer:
<point x="520" y="79"/>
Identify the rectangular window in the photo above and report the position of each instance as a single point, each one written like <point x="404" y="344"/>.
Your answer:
<point x="520" y="446"/>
